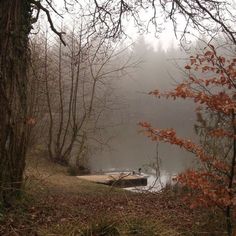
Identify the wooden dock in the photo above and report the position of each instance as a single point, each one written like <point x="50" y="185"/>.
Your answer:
<point x="122" y="180"/>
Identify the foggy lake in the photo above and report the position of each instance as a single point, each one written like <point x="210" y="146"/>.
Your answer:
<point x="128" y="148"/>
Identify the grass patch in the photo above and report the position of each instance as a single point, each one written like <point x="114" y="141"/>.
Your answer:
<point x="110" y="227"/>
<point x="101" y="228"/>
<point x="140" y="227"/>
<point x="56" y="204"/>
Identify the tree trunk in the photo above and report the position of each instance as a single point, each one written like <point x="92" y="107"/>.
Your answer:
<point x="15" y="25"/>
<point x="231" y="179"/>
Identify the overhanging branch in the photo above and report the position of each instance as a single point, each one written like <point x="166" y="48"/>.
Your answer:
<point x="41" y="7"/>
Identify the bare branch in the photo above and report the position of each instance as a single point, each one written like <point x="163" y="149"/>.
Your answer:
<point x="41" y="7"/>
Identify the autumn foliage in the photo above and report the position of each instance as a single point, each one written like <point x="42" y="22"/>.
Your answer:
<point x="211" y="85"/>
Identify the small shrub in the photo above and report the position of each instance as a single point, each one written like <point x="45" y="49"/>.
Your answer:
<point x="81" y="170"/>
<point x="72" y="171"/>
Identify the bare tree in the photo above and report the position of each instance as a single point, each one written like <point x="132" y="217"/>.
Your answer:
<point x="77" y="86"/>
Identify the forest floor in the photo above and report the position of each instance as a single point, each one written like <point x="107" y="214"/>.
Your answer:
<point x="55" y="203"/>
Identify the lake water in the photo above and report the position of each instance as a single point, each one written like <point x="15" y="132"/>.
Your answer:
<point x="128" y="148"/>
<point x="155" y="182"/>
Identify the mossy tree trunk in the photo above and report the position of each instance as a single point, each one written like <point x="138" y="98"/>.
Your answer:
<point x="15" y="25"/>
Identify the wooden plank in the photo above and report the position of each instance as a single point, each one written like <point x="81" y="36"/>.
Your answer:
<point x="123" y="180"/>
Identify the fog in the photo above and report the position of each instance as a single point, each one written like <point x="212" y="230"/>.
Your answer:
<point x="128" y="147"/>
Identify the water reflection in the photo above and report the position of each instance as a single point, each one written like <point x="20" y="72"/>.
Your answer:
<point x="155" y="182"/>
